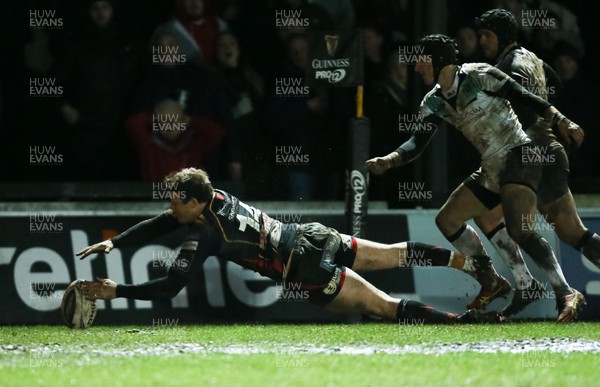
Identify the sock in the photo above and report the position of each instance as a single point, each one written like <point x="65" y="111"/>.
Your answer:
<point x="540" y="251"/>
<point x="422" y="254"/>
<point x="589" y="245"/>
<point x="509" y="250"/>
<point x="412" y="312"/>
<point x="479" y="266"/>
<point x="467" y="241"/>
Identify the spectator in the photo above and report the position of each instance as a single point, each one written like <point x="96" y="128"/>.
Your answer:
<point x="192" y="86"/>
<point x="385" y="101"/>
<point x="374" y="44"/>
<point x="341" y="12"/>
<point x="98" y="73"/>
<point x="574" y="100"/>
<point x="195" y="24"/>
<point x="544" y="39"/>
<point x="317" y="18"/>
<point x="469" y="50"/>
<point x="169" y="139"/>
<point x="245" y="91"/>
<point x="568" y="26"/>
<point x="296" y="123"/>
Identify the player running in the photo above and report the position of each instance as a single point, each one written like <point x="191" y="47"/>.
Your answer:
<point x="477" y="99"/>
<point x="315" y="258"/>
<point x="497" y="29"/>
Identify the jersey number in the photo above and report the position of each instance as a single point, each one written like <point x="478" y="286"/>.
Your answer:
<point x="249" y="221"/>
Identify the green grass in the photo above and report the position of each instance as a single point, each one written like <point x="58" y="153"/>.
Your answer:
<point x="86" y="357"/>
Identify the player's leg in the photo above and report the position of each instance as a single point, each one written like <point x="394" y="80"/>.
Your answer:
<point x="520" y="208"/>
<point x="491" y="223"/>
<point x="357" y="296"/>
<point x="461" y="206"/>
<point x="371" y="256"/>
<point x="556" y="202"/>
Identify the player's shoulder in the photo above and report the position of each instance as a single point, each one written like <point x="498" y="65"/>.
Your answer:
<point x="482" y="72"/>
<point x="521" y="56"/>
<point x="475" y="67"/>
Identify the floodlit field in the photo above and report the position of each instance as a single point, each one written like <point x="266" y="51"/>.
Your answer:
<point x="369" y="354"/>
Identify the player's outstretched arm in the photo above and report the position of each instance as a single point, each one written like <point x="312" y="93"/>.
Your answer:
<point x="160" y="288"/>
<point x="101" y="288"/>
<point x="378" y="165"/>
<point x="101" y="247"/>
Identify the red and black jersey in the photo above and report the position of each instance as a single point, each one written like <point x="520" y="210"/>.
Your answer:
<point x="232" y="230"/>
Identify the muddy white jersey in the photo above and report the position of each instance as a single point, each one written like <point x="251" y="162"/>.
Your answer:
<point x="476" y="108"/>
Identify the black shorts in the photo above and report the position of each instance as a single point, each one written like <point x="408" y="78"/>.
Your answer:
<point x="524" y="165"/>
<point x="555" y="174"/>
<point x="319" y="260"/>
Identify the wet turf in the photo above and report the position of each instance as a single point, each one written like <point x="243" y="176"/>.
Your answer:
<point x="356" y="354"/>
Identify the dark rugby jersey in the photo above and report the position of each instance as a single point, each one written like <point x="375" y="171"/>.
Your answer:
<point x="536" y="77"/>
<point x="231" y="230"/>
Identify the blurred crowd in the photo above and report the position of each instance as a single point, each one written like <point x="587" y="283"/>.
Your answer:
<point x="150" y="87"/>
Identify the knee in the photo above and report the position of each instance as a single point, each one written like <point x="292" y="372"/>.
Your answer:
<point x="488" y="222"/>
<point x="518" y="232"/>
<point x="445" y="223"/>
<point x="569" y="232"/>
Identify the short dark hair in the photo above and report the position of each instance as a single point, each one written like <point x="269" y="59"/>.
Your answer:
<point x="191" y="183"/>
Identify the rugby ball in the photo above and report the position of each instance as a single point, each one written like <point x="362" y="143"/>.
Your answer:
<point x="77" y="311"/>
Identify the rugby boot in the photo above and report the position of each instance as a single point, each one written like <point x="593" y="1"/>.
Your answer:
<point x="493" y="285"/>
<point x="569" y="306"/>
<point x="524" y="297"/>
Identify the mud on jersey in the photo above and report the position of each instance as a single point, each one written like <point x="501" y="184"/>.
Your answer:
<point x="479" y="113"/>
<point x="528" y="70"/>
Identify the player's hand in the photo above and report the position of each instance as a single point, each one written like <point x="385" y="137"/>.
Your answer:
<point x="379" y="165"/>
<point x="571" y="134"/>
<point x="102" y="247"/>
<point x="101" y="288"/>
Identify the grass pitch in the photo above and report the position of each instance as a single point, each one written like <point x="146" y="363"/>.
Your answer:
<point x="370" y="354"/>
